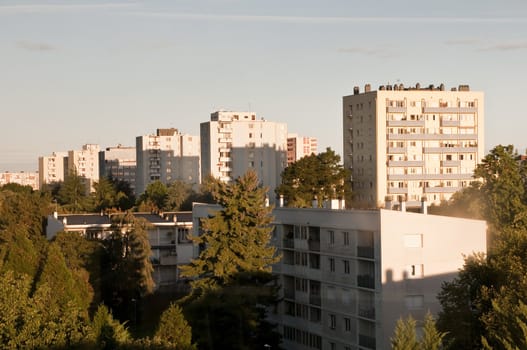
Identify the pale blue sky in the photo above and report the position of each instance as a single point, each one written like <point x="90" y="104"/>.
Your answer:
<point x="75" y="72"/>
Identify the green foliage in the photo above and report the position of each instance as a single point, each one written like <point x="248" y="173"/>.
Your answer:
<point x="106" y="332"/>
<point x="105" y="195"/>
<point x="178" y="193"/>
<point x="432" y="339"/>
<point x="173" y="330"/>
<point x="316" y="176"/>
<point x="405" y="337"/>
<point x="234" y="316"/>
<point x="502" y="187"/>
<point x="237" y="237"/>
<point x="154" y="198"/>
<point x="73" y="194"/>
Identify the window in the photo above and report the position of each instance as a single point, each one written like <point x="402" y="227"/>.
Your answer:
<point x="414" y="302"/>
<point x="346" y="238"/>
<point x="414" y="271"/>
<point x="347" y="324"/>
<point x="346" y="267"/>
<point x="332" y="321"/>
<point x="331" y="264"/>
<point x="331" y="237"/>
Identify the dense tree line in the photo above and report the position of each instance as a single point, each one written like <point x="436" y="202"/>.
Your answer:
<point x="484" y="307"/>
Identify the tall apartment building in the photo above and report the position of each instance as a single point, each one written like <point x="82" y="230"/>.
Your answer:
<point x="412" y="142"/>
<point x="22" y="178"/>
<point x="347" y="276"/>
<point x="167" y="156"/>
<point x="53" y="168"/>
<point x="118" y="163"/>
<point x="234" y="142"/>
<point x="299" y="147"/>
<point x="85" y="163"/>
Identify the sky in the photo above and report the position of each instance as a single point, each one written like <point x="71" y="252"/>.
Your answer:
<point x="76" y="72"/>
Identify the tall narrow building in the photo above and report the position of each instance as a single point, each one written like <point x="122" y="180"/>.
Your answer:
<point x="234" y="142"/>
<point x="52" y="169"/>
<point x="166" y="156"/>
<point x="85" y="163"/>
<point x="411" y="142"/>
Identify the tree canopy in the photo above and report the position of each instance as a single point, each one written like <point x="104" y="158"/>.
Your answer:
<point x="318" y="176"/>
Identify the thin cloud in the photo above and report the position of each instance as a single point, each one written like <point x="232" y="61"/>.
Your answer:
<point x="326" y="19"/>
<point x="359" y="50"/>
<point x="506" y="47"/>
<point x="34" y="46"/>
<point x="65" y="7"/>
<point x="463" y="42"/>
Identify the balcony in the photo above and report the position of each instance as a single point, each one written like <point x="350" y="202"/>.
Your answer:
<point x="450" y="149"/>
<point x="315" y="300"/>
<point x="397" y="190"/>
<point x="289" y="243"/>
<point x="395" y="109"/>
<point x="367" y="341"/>
<point x="168" y="260"/>
<point x="451" y="163"/>
<point x="396" y="150"/>
<point x="313" y="245"/>
<point x="365" y="252"/>
<point x="418" y="177"/>
<point x="432" y="137"/>
<point x="450" y="122"/>
<point x="406" y="163"/>
<point x="367" y="312"/>
<point x="366" y="281"/>
<point x="441" y="189"/>
<point x="450" y="110"/>
<point x="406" y="123"/>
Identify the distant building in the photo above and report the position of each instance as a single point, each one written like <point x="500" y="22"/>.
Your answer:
<point x="167" y="156"/>
<point x="85" y="163"/>
<point x="412" y="142"/>
<point x="168" y="237"/>
<point x="22" y="178"/>
<point x="234" y="142"/>
<point x="299" y="147"/>
<point x="53" y="168"/>
<point x="118" y="163"/>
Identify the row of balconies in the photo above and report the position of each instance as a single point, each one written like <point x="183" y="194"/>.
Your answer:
<point x="453" y="110"/>
<point x="396" y="177"/>
<point x="471" y="149"/>
<point x="437" y="189"/>
<point x="421" y="163"/>
<point x="432" y="136"/>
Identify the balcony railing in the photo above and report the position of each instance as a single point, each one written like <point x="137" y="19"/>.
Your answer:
<point x="404" y="163"/>
<point x="366" y="281"/>
<point x="289" y="243"/>
<point x="397" y="190"/>
<point x="367" y="312"/>
<point x="450" y="122"/>
<point x="315" y="300"/>
<point x="441" y="189"/>
<point x="365" y="252"/>
<point x="394" y="109"/>
<point x="432" y="136"/>
<point x="396" y="149"/>
<point x="400" y="177"/>
<point x="314" y="245"/>
<point x="406" y="123"/>
<point x="450" y="109"/>
<point x="367" y="341"/>
<point x="450" y="149"/>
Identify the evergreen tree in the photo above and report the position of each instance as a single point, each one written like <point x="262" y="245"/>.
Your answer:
<point x="173" y="330"/>
<point x="178" y="193"/>
<point x="316" y="176"/>
<point x="154" y="198"/>
<point x="73" y="193"/>
<point x="105" y="195"/>
<point x="432" y="339"/>
<point x="237" y="237"/>
<point x="106" y="332"/>
<point x="405" y="337"/>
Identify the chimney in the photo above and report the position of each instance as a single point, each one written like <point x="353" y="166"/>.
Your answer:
<point x="355" y="90"/>
<point x="314" y="203"/>
<point x="424" y="205"/>
<point x="367" y="88"/>
<point x="388" y="203"/>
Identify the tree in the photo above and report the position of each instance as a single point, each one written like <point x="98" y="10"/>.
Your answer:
<point x="154" y="197"/>
<point x="178" y="193"/>
<point x="432" y="339"/>
<point x="405" y="337"/>
<point x="106" y="332"/>
<point x="73" y="193"/>
<point x="236" y="237"/>
<point x="316" y="176"/>
<point x="503" y="188"/>
<point x="173" y="330"/>
<point x="105" y="195"/>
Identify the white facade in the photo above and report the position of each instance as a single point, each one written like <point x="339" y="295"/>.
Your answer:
<point x="85" y="163"/>
<point x="348" y="276"/>
<point x="22" y="178"/>
<point x="234" y="142"/>
<point x="53" y="168"/>
<point x="300" y="146"/>
<point x="119" y="163"/>
<point x="167" y="156"/>
<point x="411" y="142"/>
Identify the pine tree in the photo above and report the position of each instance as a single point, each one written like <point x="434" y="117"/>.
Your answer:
<point x="236" y="238"/>
<point x="405" y="337"/>
<point x="432" y="338"/>
<point x="173" y="330"/>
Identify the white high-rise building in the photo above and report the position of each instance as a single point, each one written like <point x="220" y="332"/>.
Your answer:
<point x="119" y="163"/>
<point x="85" y="163"/>
<point x="411" y="142"/>
<point x="53" y="168"/>
<point x="234" y="142"/>
<point x="300" y="146"/>
<point x="167" y="156"/>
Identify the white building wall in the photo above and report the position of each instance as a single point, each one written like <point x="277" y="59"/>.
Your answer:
<point x="85" y="163"/>
<point x="52" y="168"/>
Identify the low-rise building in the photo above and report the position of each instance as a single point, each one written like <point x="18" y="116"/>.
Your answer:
<point x="168" y="235"/>
<point x="22" y="178"/>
